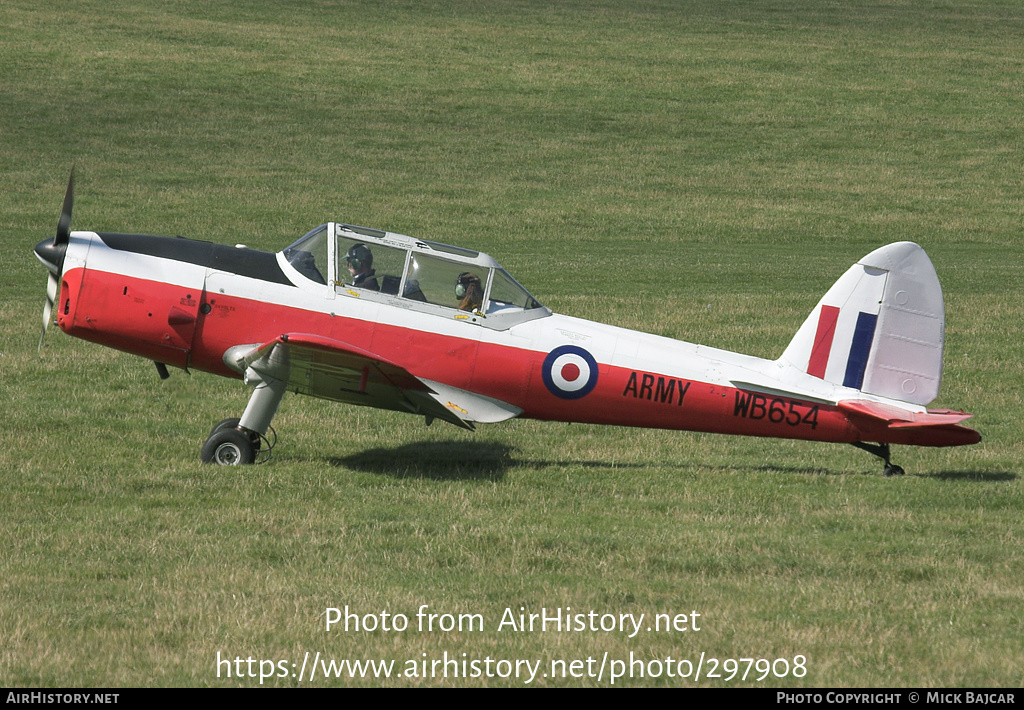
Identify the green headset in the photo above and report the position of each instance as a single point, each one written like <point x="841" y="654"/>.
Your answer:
<point x="462" y="285"/>
<point x="358" y="256"/>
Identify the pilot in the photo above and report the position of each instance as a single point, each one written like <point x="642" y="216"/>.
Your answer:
<point x="469" y="290"/>
<point x="360" y="265"/>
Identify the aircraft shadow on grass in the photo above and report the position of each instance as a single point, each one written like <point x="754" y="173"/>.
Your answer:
<point x="979" y="476"/>
<point x="453" y="461"/>
<point x="489" y="461"/>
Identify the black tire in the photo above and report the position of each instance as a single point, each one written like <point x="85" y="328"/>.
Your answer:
<point x="232" y="423"/>
<point x="228" y="447"/>
<point x="225" y="424"/>
<point x="892" y="469"/>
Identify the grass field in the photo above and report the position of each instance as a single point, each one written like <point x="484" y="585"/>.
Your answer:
<point x="702" y="170"/>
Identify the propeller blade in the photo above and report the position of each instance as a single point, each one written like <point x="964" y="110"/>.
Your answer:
<point x="64" y="224"/>
<point x="51" y="297"/>
<point x="52" y="253"/>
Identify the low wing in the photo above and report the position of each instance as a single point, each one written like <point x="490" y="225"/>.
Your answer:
<point x="472" y="406"/>
<point x="331" y="369"/>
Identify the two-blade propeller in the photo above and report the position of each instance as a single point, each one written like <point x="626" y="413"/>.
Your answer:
<point x="51" y="253"/>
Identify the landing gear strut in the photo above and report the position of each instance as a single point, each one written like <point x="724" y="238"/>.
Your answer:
<point x="882" y="451"/>
<point x="234" y="442"/>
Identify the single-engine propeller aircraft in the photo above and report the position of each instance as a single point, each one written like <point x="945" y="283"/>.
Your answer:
<point x="369" y="317"/>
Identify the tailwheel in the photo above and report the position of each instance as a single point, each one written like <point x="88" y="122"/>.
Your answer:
<point x="228" y="446"/>
<point x="892" y="469"/>
<point x="883" y="452"/>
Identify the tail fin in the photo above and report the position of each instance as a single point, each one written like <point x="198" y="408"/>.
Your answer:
<point x="879" y="329"/>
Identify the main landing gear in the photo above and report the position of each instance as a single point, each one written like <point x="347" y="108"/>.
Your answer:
<point x="234" y="442"/>
<point x="883" y="452"/>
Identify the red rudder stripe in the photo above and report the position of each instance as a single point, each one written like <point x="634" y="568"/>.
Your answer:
<point x="823" y="341"/>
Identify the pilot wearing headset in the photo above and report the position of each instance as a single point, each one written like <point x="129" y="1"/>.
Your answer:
<point x="360" y="265"/>
<point x="470" y="291"/>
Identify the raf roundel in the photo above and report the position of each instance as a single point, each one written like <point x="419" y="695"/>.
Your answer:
<point x="570" y="372"/>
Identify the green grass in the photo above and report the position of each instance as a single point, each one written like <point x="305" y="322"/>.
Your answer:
<point x="701" y="170"/>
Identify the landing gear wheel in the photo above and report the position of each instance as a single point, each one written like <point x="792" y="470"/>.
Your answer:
<point x="892" y="469"/>
<point x="228" y="447"/>
<point x="883" y="451"/>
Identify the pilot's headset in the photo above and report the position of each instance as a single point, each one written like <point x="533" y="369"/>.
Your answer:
<point x="464" y="282"/>
<point x="359" y="256"/>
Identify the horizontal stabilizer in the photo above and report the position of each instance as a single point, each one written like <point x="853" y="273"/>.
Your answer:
<point x="897" y="418"/>
<point x="777" y="392"/>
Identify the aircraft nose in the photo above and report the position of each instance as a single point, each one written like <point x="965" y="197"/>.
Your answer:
<point x="51" y="254"/>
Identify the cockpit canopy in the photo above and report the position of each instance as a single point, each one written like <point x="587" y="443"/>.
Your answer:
<point x="437" y="278"/>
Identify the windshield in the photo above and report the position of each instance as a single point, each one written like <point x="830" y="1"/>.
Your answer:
<point x="309" y="255"/>
<point x="506" y="294"/>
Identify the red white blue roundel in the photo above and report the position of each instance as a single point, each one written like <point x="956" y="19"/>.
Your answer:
<point x="569" y="372"/>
